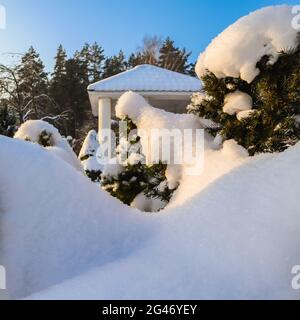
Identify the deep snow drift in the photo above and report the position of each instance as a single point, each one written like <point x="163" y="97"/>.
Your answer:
<point x="239" y="238"/>
<point x="235" y="52"/>
<point x="55" y="223"/>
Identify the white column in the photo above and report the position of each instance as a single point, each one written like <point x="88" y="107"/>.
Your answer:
<point x="104" y="116"/>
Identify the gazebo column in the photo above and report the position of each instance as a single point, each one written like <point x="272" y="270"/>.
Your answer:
<point x="104" y="117"/>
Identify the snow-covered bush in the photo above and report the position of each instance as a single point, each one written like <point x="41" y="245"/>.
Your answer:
<point x="46" y="135"/>
<point x="251" y="76"/>
<point x="134" y="179"/>
<point x="140" y="179"/>
<point x="88" y="157"/>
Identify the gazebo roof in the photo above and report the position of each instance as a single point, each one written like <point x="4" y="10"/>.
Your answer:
<point x="147" y="78"/>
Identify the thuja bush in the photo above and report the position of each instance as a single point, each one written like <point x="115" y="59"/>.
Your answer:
<point x="272" y="123"/>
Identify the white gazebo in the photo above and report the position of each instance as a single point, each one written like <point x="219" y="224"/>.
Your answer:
<point x="163" y="89"/>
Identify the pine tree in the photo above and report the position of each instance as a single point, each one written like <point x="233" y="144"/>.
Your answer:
<point x="114" y="65"/>
<point x="60" y="63"/>
<point x="76" y="97"/>
<point x="163" y="54"/>
<point x="59" y="94"/>
<point x="173" y="58"/>
<point x="135" y="176"/>
<point x="92" y="58"/>
<point x="135" y="59"/>
<point x="68" y="90"/>
<point x="56" y="89"/>
<point x="33" y="81"/>
<point x="271" y="124"/>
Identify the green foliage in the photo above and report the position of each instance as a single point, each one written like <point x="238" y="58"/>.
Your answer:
<point x="139" y="177"/>
<point x="157" y="186"/>
<point x="127" y="185"/>
<point x="163" y="54"/>
<point x="114" y="65"/>
<point x="33" y="81"/>
<point x="45" y="139"/>
<point x="276" y="100"/>
<point x="68" y="90"/>
<point x="91" y="56"/>
<point x="94" y="175"/>
<point x="173" y="58"/>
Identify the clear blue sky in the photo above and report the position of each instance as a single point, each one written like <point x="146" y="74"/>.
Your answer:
<point x="117" y="24"/>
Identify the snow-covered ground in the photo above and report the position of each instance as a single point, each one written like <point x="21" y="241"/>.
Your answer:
<point x="234" y="235"/>
<point x="54" y="222"/>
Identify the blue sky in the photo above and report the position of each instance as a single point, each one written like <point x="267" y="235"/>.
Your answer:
<point x="116" y="24"/>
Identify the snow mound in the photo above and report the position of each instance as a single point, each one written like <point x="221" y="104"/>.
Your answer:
<point x="146" y="117"/>
<point x="31" y="130"/>
<point x="236" y="51"/>
<point x="236" y="102"/>
<point x="60" y="148"/>
<point x="55" y="223"/>
<point x="237" y="239"/>
<point x="217" y="163"/>
<point x="146" y="204"/>
<point x="157" y="125"/>
<point x="245" y="114"/>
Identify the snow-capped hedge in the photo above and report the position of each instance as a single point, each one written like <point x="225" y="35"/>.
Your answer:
<point x="236" y="51"/>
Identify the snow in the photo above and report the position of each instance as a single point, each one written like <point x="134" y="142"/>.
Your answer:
<point x="135" y="158"/>
<point x="236" y="51"/>
<point x="92" y="164"/>
<point x="147" y="119"/>
<point x="146" y="204"/>
<point x="60" y="147"/>
<point x="236" y="102"/>
<point x="88" y="153"/>
<point x="232" y="232"/>
<point x="236" y="239"/>
<point x="231" y="149"/>
<point x="148" y="78"/>
<point x="217" y="163"/>
<point x="55" y="223"/>
<point x="113" y="168"/>
<point x="245" y="114"/>
<point x="90" y="145"/>
<point x="145" y="116"/>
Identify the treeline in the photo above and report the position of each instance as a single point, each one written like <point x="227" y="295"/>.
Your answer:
<point x="27" y="91"/>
